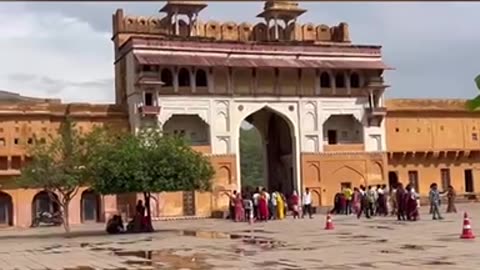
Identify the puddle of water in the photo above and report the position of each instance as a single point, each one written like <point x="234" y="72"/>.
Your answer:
<point x="381" y="228"/>
<point x="381" y="241"/>
<point x="275" y="264"/>
<point x="167" y="258"/>
<point x="439" y="263"/>
<point x="244" y="252"/>
<point x="386" y="251"/>
<point x="412" y="247"/>
<point x="256" y="231"/>
<point x="367" y="265"/>
<point x="247" y="239"/>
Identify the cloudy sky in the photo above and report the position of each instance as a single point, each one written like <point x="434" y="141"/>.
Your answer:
<point x="63" y="50"/>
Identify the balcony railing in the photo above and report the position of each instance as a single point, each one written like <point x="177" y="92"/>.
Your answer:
<point x="345" y="147"/>
<point x="149" y="110"/>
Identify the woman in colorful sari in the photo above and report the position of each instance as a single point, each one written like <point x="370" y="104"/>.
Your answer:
<point x="295" y="201"/>
<point x="239" y="212"/>
<point x="263" y="206"/>
<point x="356" y="200"/>
<point x="411" y="203"/>
<point x="280" y="206"/>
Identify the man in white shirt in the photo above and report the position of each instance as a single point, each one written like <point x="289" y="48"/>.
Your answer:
<point x="307" y="203"/>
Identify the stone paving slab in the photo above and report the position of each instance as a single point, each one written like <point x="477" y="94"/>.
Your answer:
<point x="379" y="243"/>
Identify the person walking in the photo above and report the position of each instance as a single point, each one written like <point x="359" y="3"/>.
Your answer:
<point x="364" y="203"/>
<point x="434" y="197"/>
<point x="307" y="203"/>
<point x="272" y="205"/>
<point x="451" y="194"/>
<point x="356" y="200"/>
<point x="295" y="201"/>
<point x="401" y="202"/>
<point x="411" y="203"/>
<point x="348" y="194"/>
<point x="372" y="199"/>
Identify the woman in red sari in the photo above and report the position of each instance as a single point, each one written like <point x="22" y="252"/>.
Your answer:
<point x="239" y="212"/>
<point x="295" y="201"/>
<point x="263" y="206"/>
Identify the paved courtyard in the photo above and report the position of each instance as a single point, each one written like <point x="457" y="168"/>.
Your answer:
<point x="380" y="243"/>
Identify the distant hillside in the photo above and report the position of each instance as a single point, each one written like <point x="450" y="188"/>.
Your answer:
<point x="251" y="157"/>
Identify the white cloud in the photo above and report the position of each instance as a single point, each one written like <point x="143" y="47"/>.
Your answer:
<point x="67" y="45"/>
<point x="51" y="55"/>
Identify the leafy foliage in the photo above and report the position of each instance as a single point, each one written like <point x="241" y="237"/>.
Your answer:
<point x="148" y="162"/>
<point x="145" y="163"/>
<point x="251" y="157"/>
<point x="474" y="103"/>
<point x="58" y="167"/>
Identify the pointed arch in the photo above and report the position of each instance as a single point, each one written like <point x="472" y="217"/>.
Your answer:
<point x="354" y="80"/>
<point x="6" y="209"/>
<point x="166" y="77"/>
<point x="325" y="81"/>
<point x="201" y="78"/>
<point x="183" y="77"/>
<point x="346" y="167"/>
<point x="340" y="80"/>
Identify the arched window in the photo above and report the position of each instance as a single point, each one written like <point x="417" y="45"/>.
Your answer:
<point x="340" y="80"/>
<point x="325" y="80"/>
<point x="354" y="80"/>
<point x="167" y="77"/>
<point x="201" y="78"/>
<point x="183" y="77"/>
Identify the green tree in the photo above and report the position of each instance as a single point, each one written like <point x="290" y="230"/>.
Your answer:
<point x="58" y="167"/>
<point x="145" y="163"/>
<point x="474" y="103"/>
<point x="251" y="157"/>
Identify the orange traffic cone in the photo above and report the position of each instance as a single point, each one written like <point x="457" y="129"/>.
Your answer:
<point x="329" y="224"/>
<point x="467" y="232"/>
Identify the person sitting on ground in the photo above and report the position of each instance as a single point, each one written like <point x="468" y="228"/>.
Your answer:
<point x="115" y="225"/>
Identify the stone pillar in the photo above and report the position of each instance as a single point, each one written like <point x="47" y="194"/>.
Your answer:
<point x="177" y="27"/>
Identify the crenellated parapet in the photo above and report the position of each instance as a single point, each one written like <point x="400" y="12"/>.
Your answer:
<point x="229" y="31"/>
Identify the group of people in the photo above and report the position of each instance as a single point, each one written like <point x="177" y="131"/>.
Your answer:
<point x="139" y="222"/>
<point x="403" y="202"/>
<point x="260" y="205"/>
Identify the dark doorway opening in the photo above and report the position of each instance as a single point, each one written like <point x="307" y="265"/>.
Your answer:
<point x="277" y="148"/>
<point x="469" y="185"/>
<point x="392" y="180"/>
<point x="90" y="202"/>
<point x="6" y="209"/>
<point x="332" y="136"/>
<point x="42" y="202"/>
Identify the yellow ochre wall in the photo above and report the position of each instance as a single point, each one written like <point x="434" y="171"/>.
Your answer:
<point x="429" y="135"/>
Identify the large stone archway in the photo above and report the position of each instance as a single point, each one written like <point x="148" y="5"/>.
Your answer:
<point x="42" y="202"/>
<point x="279" y="149"/>
<point x="6" y="209"/>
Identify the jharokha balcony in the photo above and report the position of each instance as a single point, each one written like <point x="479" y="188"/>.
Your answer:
<point x="149" y="110"/>
<point x="149" y="78"/>
<point x="346" y="147"/>
<point x="377" y="111"/>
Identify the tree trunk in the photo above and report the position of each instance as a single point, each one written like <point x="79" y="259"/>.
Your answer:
<point x="66" y="217"/>
<point x="147" y="196"/>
